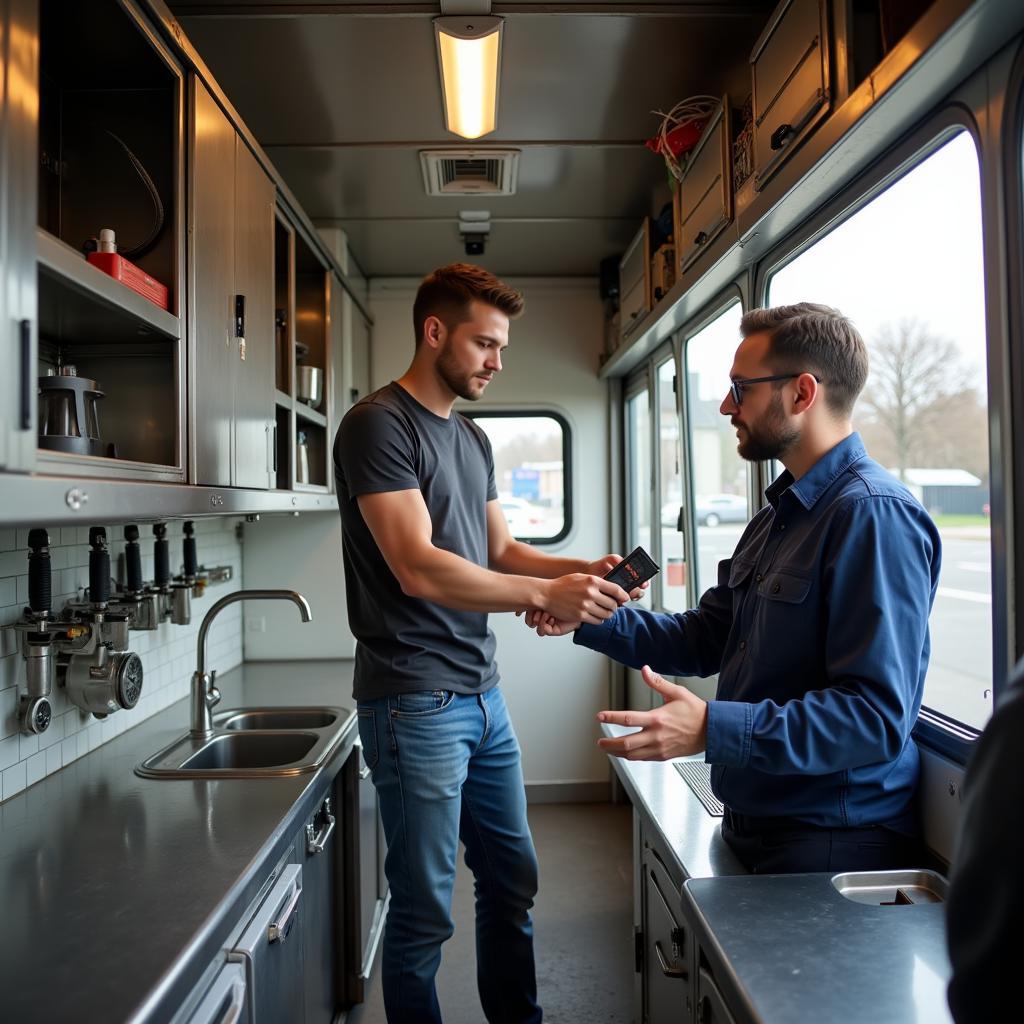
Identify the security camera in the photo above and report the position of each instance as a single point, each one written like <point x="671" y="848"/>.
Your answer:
<point x="474" y="244"/>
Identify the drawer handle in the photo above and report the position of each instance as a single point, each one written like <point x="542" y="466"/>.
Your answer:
<point x="279" y="929"/>
<point x="781" y="136"/>
<point x="364" y="773"/>
<point x="666" y="968"/>
<point x="234" y="1009"/>
<point x="702" y="237"/>
<point x="316" y="842"/>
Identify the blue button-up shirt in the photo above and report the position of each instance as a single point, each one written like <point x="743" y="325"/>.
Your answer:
<point x="818" y="628"/>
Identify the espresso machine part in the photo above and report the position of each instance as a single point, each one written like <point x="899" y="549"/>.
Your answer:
<point x="37" y="639"/>
<point x="68" y="413"/>
<point x="309" y="385"/>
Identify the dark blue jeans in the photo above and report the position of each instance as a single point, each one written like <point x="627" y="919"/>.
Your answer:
<point x="446" y="767"/>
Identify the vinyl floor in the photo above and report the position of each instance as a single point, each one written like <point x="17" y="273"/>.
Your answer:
<point x="583" y="929"/>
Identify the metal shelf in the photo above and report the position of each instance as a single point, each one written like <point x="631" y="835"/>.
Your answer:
<point x="304" y="412"/>
<point x="31" y="499"/>
<point x="79" y="303"/>
<point x="282" y="400"/>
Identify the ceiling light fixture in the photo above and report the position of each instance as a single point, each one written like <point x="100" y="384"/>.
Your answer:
<point x="469" y="56"/>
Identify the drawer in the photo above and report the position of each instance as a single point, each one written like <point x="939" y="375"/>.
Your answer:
<point x="669" y="955"/>
<point x="790" y="82"/>
<point x="711" y="1005"/>
<point x="705" y="193"/>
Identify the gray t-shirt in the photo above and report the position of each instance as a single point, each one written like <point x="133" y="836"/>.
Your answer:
<point x="389" y="442"/>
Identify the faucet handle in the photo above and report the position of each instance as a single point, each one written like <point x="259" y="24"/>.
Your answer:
<point x="213" y="694"/>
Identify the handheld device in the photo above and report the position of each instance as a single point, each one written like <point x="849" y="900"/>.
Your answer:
<point x="634" y="570"/>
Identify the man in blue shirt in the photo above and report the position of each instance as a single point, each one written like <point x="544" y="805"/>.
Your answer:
<point x="818" y="626"/>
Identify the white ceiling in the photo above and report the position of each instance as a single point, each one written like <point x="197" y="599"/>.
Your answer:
<point x="343" y="97"/>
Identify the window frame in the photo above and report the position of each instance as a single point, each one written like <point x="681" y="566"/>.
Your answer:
<point x="568" y="491"/>
<point x="935" y="729"/>
<point x="642" y="382"/>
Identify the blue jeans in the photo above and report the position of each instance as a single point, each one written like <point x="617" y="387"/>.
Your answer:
<point x="446" y="767"/>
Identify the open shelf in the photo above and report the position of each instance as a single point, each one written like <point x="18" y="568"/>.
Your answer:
<point x="78" y="302"/>
<point x="282" y="401"/>
<point x="310" y="415"/>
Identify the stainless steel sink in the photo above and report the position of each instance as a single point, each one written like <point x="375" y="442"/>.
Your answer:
<point x="892" y="888"/>
<point x="278" y="718"/>
<point x="252" y="743"/>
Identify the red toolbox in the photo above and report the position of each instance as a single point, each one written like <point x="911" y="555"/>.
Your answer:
<point x="129" y="274"/>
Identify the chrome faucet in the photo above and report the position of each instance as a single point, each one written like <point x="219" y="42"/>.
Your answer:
<point x="205" y="696"/>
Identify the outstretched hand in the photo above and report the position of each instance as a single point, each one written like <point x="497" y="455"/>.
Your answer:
<point x="677" y="729"/>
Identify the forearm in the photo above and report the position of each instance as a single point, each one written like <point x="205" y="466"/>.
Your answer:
<point x="521" y="559"/>
<point x="671" y="644"/>
<point x="434" y="574"/>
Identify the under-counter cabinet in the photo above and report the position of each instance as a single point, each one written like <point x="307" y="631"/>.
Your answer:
<point x="17" y="238"/>
<point x="232" y="316"/>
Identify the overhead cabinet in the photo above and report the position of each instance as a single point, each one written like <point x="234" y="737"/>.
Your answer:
<point x="17" y="239"/>
<point x="232" y="318"/>
<point x="107" y="176"/>
<point x="705" y="193"/>
<point x="635" y="279"/>
<point x="790" y="87"/>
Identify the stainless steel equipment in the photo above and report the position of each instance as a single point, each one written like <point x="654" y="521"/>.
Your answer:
<point x="205" y="695"/>
<point x="68" y="414"/>
<point x="86" y="647"/>
<point x="309" y="385"/>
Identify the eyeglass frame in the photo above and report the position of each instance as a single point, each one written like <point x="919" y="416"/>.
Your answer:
<point x="736" y="385"/>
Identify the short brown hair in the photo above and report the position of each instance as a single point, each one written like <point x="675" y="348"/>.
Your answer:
<point x="447" y="292"/>
<point x="808" y="337"/>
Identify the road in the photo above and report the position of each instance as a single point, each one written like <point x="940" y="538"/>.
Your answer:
<point x="960" y="670"/>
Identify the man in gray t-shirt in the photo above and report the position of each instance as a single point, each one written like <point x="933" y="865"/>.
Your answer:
<point x="427" y="555"/>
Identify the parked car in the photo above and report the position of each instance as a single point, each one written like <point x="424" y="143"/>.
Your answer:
<point x="713" y="509"/>
<point x="524" y="519"/>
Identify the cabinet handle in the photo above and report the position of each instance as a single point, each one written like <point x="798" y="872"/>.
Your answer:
<point x="279" y="929"/>
<point x="25" y="335"/>
<point x="364" y="773"/>
<point x="702" y="237"/>
<point x="781" y="136"/>
<point x="666" y="968"/>
<point x="234" y="1009"/>
<point x="316" y="842"/>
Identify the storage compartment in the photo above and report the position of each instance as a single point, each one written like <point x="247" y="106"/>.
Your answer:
<point x="711" y="1005"/>
<point x="109" y="130"/>
<point x="635" y="280"/>
<point x="311" y="305"/>
<point x="311" y="464"/>
<point x="705" y="193"/>
<point x="669" y="956"/>
<point x="790" y="81"/>
<point x="109" y="145"/>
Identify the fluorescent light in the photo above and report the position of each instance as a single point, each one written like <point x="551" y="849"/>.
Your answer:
<point x="469" y="53"/>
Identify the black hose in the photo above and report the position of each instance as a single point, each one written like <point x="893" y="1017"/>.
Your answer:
<point x="133" y="560"/>
<point x="39" y="577"/>
<point x="99" y="566"/>
<point x="191" y="561"/>
<point x="161" y="556"/>
<point x="154" y="195"/>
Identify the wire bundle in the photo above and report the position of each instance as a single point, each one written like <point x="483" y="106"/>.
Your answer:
<point x="681" y="128"/>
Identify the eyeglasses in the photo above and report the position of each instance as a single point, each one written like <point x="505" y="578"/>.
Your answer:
<point x="736" y="386"/>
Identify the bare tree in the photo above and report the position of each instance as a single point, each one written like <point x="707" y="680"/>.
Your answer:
<point x="914" y="374"/>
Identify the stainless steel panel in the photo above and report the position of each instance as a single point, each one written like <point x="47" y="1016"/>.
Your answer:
<point x="321" y="933"/>
<point x="212" y="226"/>
<point x="705" y="194"/>
<point x="19" y="115"/>
<point x="226" y="1002"/>
<point x="254" y="279"/>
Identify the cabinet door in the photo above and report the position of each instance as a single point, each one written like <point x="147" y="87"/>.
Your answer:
<point x="668" y="957"/>
<point x="369" y="839"/>
<point x="320" y="872"/>
<point x="212" y="230"/>
<point x="19" y="113"/>
<point x="712" y="1008"/>
<point x="705" y="194"/>
<point x="253" y="300"/>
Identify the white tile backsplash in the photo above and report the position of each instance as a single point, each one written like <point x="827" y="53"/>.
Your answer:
<point x="168" y="654"/>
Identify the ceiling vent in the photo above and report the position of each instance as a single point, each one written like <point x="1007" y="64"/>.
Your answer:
<point x="469" y="172"/>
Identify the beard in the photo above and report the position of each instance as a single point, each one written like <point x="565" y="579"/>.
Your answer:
<point x="456" y="379"/>
<point x="771" y="438"/>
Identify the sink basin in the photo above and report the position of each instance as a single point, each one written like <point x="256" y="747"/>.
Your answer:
<point x="278" y="718"/>
<point x="253" y="743"/>
<point x="253" y="750"/>
<point x="892" y="888"/>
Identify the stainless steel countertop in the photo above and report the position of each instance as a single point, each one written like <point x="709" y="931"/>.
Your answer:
<point x="117" y="891"/>
<point x="692" y="836"/>
<point x="791" y="948"/>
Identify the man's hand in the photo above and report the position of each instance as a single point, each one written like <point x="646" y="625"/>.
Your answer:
<point x="579" y="597"/>
<point x="603" y="566"/>
<point x="677" y="729"/>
